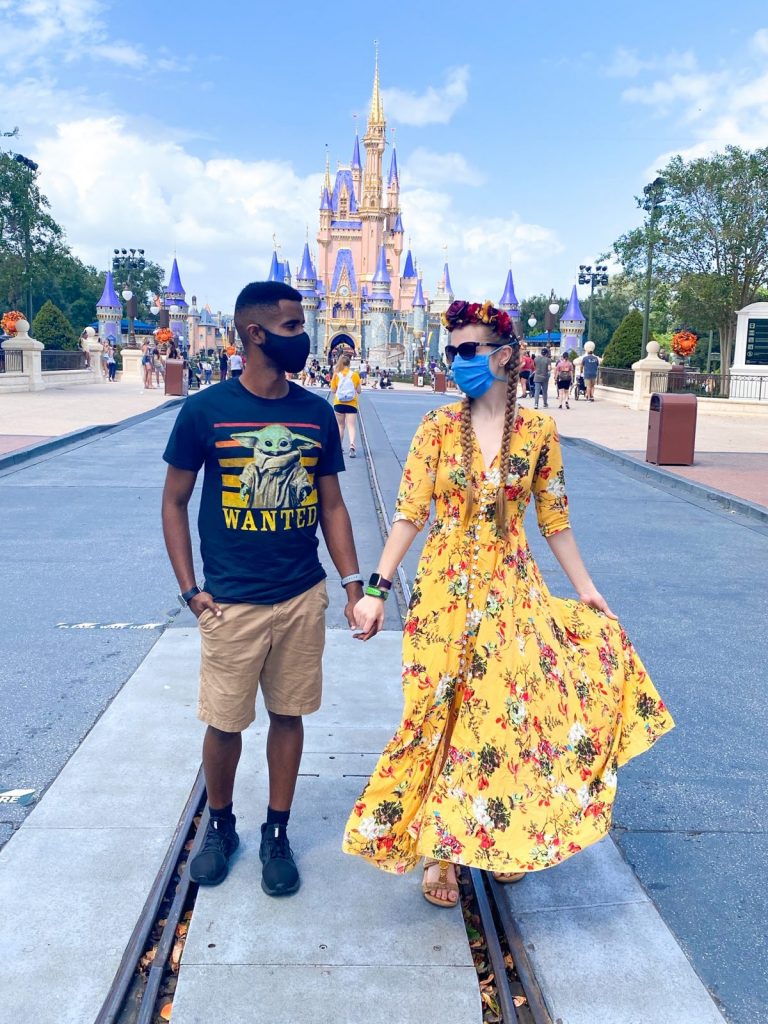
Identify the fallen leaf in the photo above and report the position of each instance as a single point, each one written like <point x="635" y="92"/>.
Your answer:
<point x="181" y="929"/>
<point x="519" y="1000"/>
<point x="178" y="949"/>
<point x="166" y="1011"/>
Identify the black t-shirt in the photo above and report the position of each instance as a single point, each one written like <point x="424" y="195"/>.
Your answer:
<point x="259" y="506"/>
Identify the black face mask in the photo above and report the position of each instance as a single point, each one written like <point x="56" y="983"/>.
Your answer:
<point x="288" y="352"/>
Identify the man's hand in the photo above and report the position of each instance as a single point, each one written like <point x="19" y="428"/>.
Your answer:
<point x="200" y="602"/>
<point x="369" y="617"/>
<point x="354" y="594"/>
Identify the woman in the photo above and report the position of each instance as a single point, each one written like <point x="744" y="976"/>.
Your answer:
<point x="519" y="706"/>
<point x="345" y="386"/>
<point x="158" y="366"/>
<point x="146" y="363"/>
<point x="111" y="363"/>
<point x="564" y="378"/>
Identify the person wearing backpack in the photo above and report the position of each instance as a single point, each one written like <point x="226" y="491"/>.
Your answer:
<point x="345" y="387"/>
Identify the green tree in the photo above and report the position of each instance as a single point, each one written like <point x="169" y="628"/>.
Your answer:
<point x="536" y="305"/>
<point x="52" y="328"/>
<point x="624" y="347"/>
<point x="712" y="235"/>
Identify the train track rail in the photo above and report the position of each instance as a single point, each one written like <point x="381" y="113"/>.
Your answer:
<point x="498" y="925"/>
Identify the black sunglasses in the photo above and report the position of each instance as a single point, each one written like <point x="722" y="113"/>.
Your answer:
<point x="468" y="349"/>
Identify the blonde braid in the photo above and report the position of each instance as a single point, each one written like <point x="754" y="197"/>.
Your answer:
<point x="466" y="456"/>
<point x="513" y="376"/>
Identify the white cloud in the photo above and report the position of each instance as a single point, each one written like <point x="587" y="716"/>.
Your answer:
<point x="120" y="53"/>
<point x="725" y="106"/>
<point x="425" y="167"/>
<point x="435" y="106"/>
<point x="477" y="250"/>
<point x="628" y="64"/>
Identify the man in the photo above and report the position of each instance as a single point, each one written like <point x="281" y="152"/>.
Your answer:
<point x="235" y="365"/>
<point x="271" y="453"/>
<point x="590" y="365"/>
<point x="541" y="370"/>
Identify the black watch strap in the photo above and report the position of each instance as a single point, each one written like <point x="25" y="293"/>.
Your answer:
<point x="187" y="596"/>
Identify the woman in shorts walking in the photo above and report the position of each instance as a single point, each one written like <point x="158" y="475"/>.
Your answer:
<point x="520" y="706"/>
<point x="564" y="378"/>
<point x="345" y="387"/>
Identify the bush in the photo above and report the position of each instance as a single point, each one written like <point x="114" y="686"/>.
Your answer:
<point x="52" y="328"/>
<point x="624" y="347"/>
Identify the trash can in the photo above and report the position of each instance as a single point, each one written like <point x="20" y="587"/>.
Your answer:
<point x="439" y="382"/>
<point x="176" y="382"/>
<point x="671" y="430"/>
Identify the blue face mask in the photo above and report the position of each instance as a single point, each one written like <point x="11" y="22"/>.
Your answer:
<point x="474" y="376"/>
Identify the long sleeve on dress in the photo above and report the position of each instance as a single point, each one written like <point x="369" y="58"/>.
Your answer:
<point x="417" y="485"/>
<point x="549" y="485"/>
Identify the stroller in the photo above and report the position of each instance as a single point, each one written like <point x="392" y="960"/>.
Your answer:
<point x="579" y="388"/>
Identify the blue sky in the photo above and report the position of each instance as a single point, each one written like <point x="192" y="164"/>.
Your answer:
<point x="523" y="131"/>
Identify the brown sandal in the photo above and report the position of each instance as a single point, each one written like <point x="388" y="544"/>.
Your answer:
<point x="441" y="883"/>
<point x="508" y="877"/>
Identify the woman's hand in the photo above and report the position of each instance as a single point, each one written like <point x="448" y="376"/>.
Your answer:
<point x="595" y="600"/>
<point x="369" y="616"/>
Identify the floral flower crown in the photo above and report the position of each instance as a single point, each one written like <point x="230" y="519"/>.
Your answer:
<point x="461" y="313"/>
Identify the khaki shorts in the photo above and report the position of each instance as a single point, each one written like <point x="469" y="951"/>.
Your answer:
<point x="277" y="645"/>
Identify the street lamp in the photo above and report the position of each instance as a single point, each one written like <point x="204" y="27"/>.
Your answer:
<point x="654" y="198"/>
<point x="592" y="277"/>
<point x="549" y="317"/>
<point x="32" y="167"/>
<point x="129" y="260"/>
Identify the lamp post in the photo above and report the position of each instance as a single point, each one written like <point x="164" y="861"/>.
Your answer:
<point x="654" y="198"/>
<point x="32" y="167"/>
<point x="129" y="260"/>
<point x="550" y="313"/>
<point x="592" y="277"/>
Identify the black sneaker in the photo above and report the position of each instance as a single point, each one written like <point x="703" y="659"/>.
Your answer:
<point x="211" y="865"/>
<point x="279" y="876"/>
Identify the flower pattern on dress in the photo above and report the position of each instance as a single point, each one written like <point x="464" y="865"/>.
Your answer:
<point x="519" y="706"/>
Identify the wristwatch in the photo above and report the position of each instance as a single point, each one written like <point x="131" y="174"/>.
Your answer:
<point x="378" y="581"/>
<point x="187" y="596"/>
<point x="354" y="577"/>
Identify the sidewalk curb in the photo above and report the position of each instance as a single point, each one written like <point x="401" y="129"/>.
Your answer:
<point x="65" y="440"/>
<point x="662" y="478"/>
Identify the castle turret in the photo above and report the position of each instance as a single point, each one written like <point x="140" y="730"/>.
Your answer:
<point x="408" y="282"/>
<point x="306" y="283"/>
<point x="380" y="305"/>
<point x="176" y="296"/>
<point x="572" y="324"/>
<point x="393" y="184"/>
<point x="357" y="168"/>
<point x="442" y="300"/>
<point x="370" y="199"/>
<point x="109" y="311"/>
<point x="509" y="302"/>
<point x="193" y="321"/>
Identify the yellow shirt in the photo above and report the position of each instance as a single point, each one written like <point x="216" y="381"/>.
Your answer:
<point x="335" y="384"/>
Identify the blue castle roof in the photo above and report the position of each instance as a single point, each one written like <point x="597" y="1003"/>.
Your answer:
<point x="393" y="172"/>
<point x="109" y="295"/>
<point x="398" y="228"/>
<point x="344" y="177"/>
<point x="573" y="310"/>
<point x="325" y="202"/>
<point x="306" y="271"/>
<point x="418" y="298"/>
<point x="509" y="298"/>
<point x="356" y="165"/>
<point x="175" y="286"/>
<point x="447" y="279"/>
<point x="382" y="274"/>
<point x="410" y="270"/>
<point x="344" y="259"/>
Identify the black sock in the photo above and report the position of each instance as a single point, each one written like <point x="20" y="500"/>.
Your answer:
<point x="221" y="814"/>
<point x="277" y="817"/>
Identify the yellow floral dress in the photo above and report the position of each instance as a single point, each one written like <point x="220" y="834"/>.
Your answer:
<point x="519" y="706"/>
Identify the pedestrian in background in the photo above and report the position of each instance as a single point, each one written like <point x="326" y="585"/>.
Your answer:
<point x="526" y="369"/>
<point x="590" y="367"/>
<point x="146" y="365"/>
<point x="111" y="363"/>
<point x="207" y="370"/>
<point x="345" y="387"/>
<point x="235" y="365"/>
<point x="541" y="378"/>
<point x="223" y="365"/>
<point x="564" y="379"/>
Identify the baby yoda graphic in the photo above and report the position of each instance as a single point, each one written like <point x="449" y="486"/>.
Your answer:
<point x="276" y="477"/>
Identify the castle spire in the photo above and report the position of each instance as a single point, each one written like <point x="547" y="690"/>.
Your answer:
<point x="109" y="296"/>
<point x="508" y="300"/>
<point x="418" y="298"/>
<point x="327" y="182"/>
<point x="377" y="107"/>
<point x="394" y="176"/>
<point x="573" y="310"/>
<point x="356" y="164"/>
<point x="410" y="270"/>
<point x="174" y="284"/>
<point x="306" y="271"/>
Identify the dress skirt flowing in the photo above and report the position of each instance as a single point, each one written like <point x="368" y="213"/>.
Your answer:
<point x="519" y="707"/>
